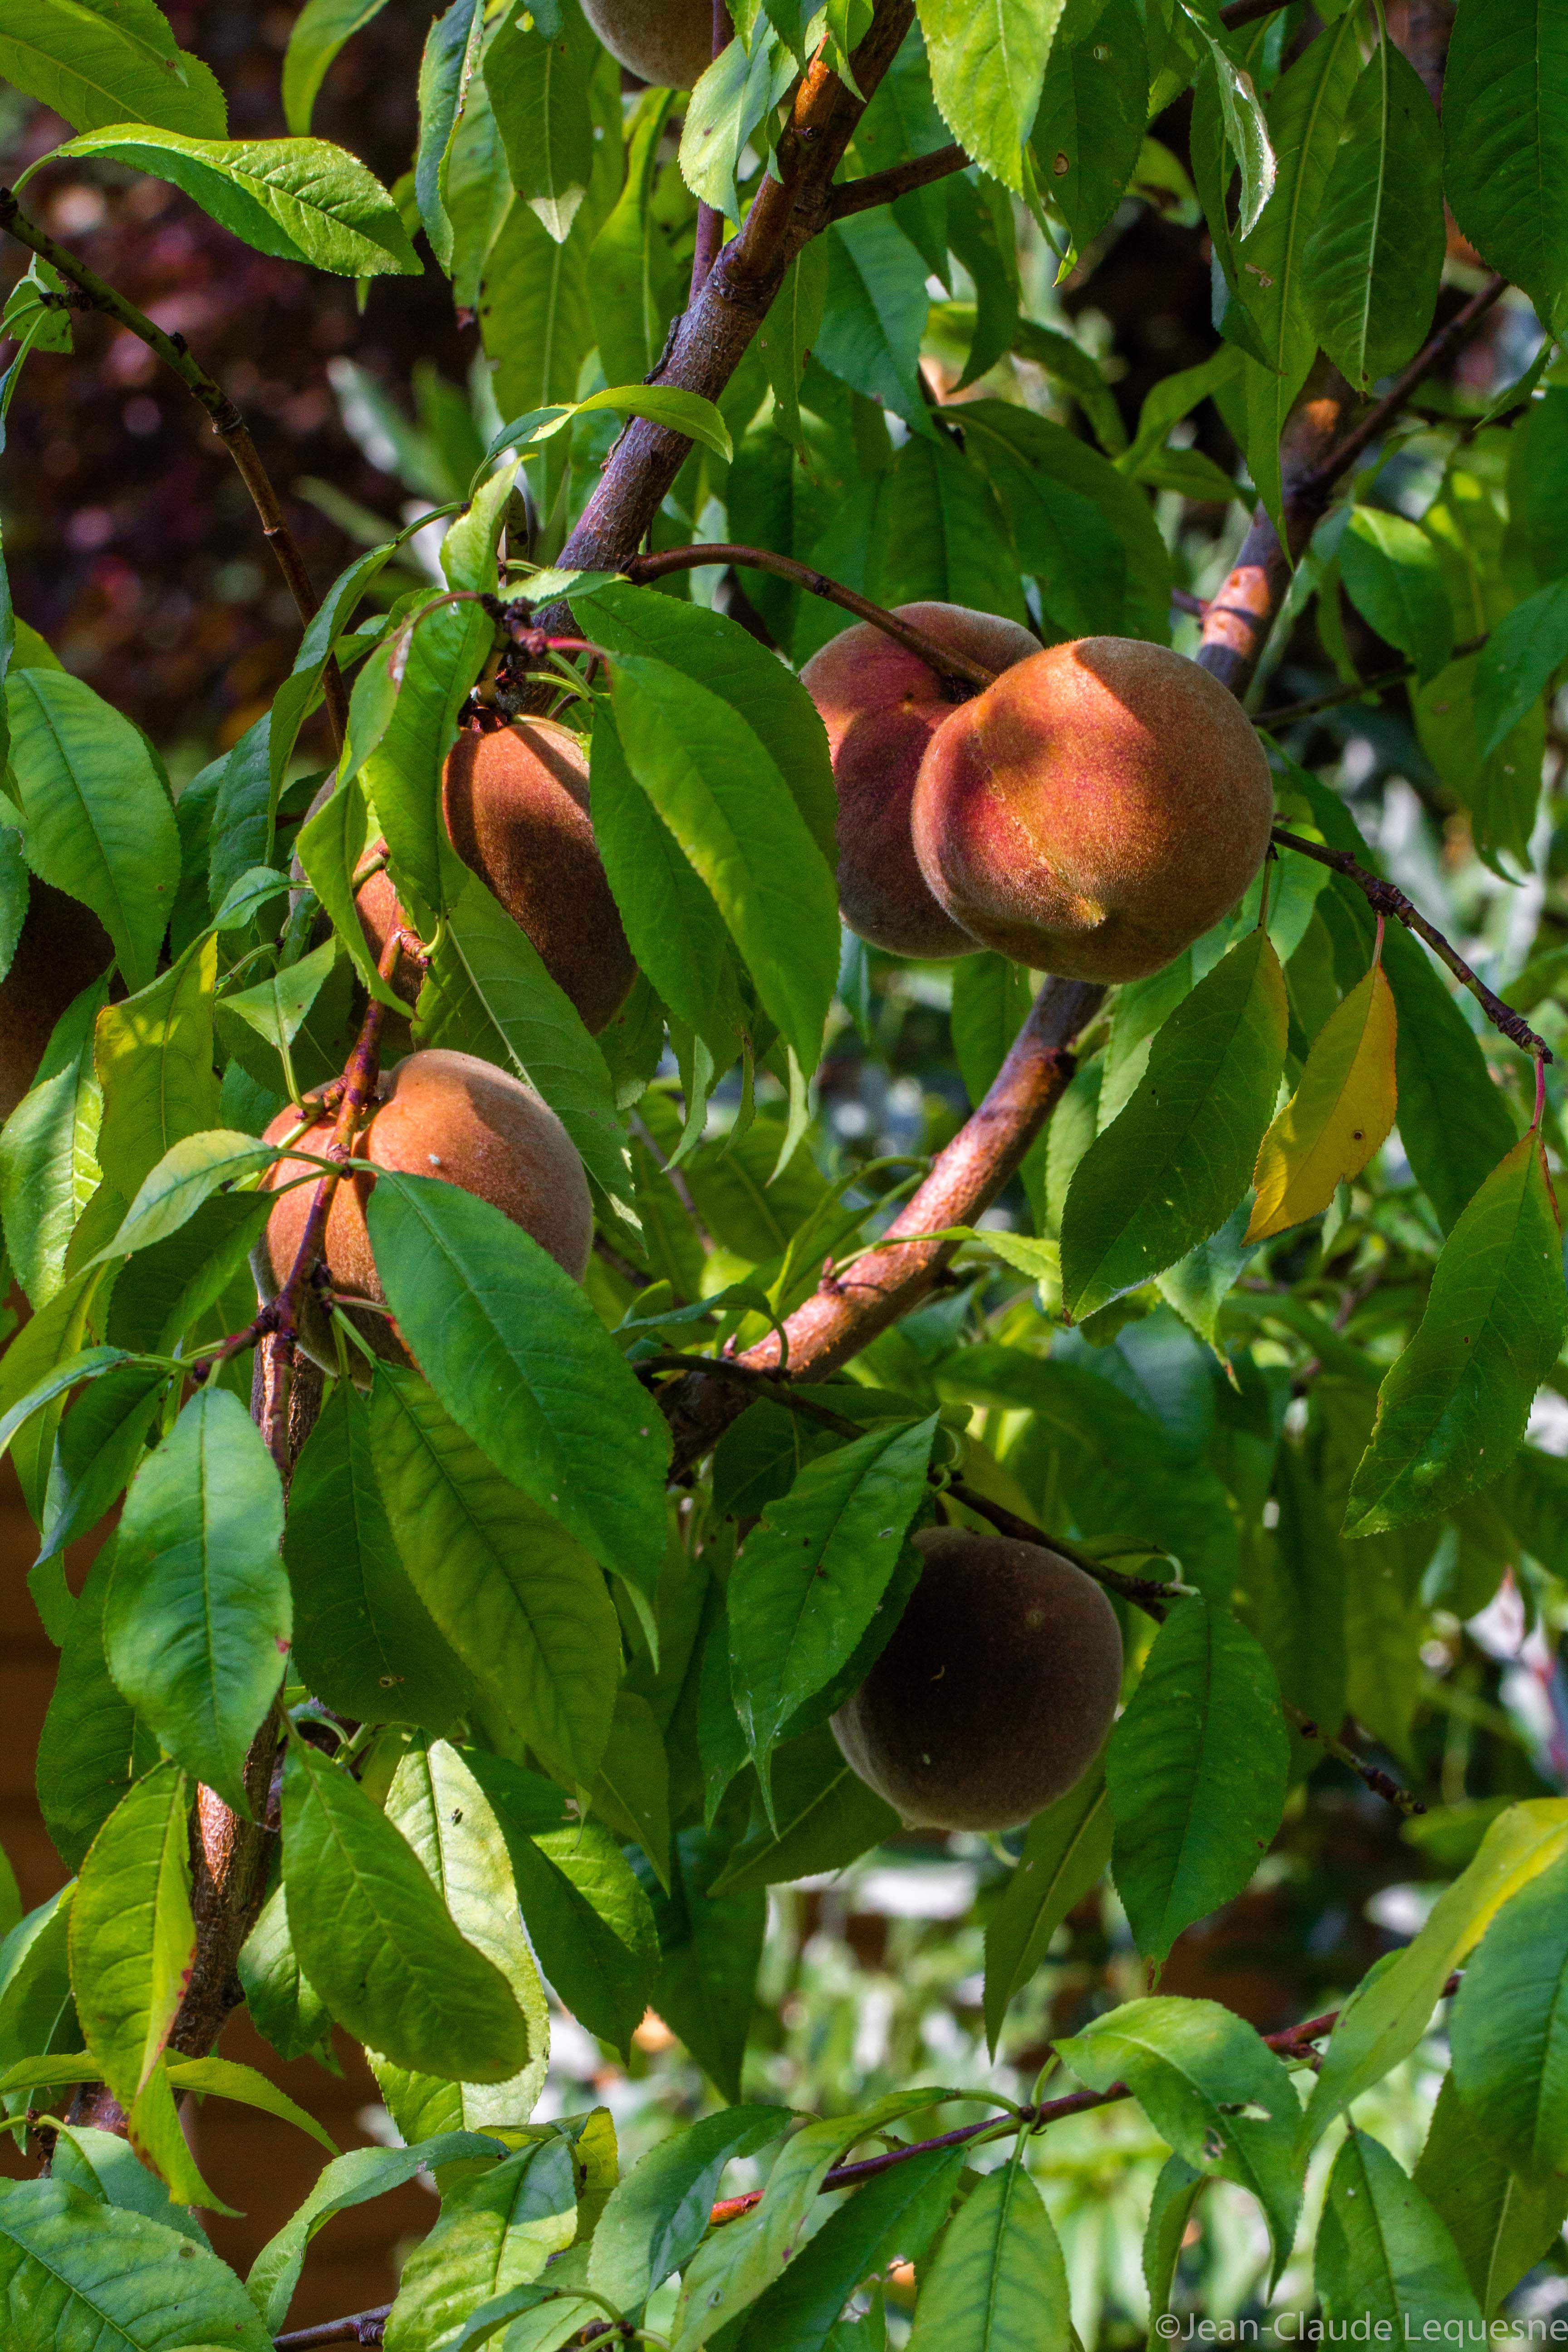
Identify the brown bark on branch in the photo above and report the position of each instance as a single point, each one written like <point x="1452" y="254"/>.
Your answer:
<point x="711" y="337"/>
<point x="842" y="1317"/>
<point x="1384" y="899"/>
<point x="1316" y="452"/>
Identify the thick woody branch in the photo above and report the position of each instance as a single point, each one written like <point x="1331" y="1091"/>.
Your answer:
<point x="844" y="1316"/>
<point x="1318" y="449"/>
<point x="713" y="333"/>
<point x="226" y="422"/>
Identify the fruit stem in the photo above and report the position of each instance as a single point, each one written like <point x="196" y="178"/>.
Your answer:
<point x="942" y="659"/>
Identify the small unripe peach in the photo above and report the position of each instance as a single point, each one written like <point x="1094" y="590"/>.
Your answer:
<point x="62" y="949"/>
<point x="881" y="705"/>
<point x="996" y="1690"/>
<point x="667" y="42"/>
<point x="1095" y="810"/>
<point x="437" y="1114"/>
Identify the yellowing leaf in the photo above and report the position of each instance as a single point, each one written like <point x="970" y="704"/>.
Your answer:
<point x="1338" y="1116"/>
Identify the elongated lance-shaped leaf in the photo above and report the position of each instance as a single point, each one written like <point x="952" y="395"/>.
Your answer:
<point x="1213" y="2088"/>
<point x="1393" y="577"/>
<point x="1388" y="2013"/>
<point x="1382" y="2256"/>
<point x="1377" y="249"/>
<point x="318" y="33"/>
<point x="1452" y="1412"/>
<point x="1064" y="1853"/>
<point x="487" y="991"/>
<point x="299" y="199"/>
<point x="1196" y="1770"/>
<point x="496" y="2231"/>
<point x="154" y="1059"/>
<point x="521" y="1602"/>
<point x="735" y="2264"/>
<point x="1509" y="2031"/>
<point x="77" y="2272"/>
<point x="363" y="1640"/>
<point x="97" y="64"/>
<point x="720" y="790"/>
<point x="99" y="824"/>
<point x="1518" y="663"/>
<point x="189" y="1173"/>
<point x="132" y="1934"/>
<point x="197" y="1620"/>
<point x="998" y="2282"/>
<point x="1505" y="147"/>
<point x="538" y="94"/>
<point x="349" y="2180"/>
<point x="1168" y="1171"/>
<point x="987" y="65"/>
<point x="437" y="1804"/>
<point x="1337" y="1118"/>
<point x="892" y="2218"/>
<point x="657" y="2215"/>
<point x="1305" y="115"/>
<point x="377" y="1942"/>
<point x="1501" y="2225"/>
<point x="1176" y="2192"/>
<point x="521" y="1362"/>
<point x="811" y="1574"/>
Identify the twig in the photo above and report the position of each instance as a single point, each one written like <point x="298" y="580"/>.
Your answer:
<point x="942" y="659"/>
<point x="1384" y="899"/>
<point x="1141" y="1590"/>
<point x="1361" y="686"/>
<point x="359" y="2327"/>
<point x="1334" y="467"/>
<point x="898" y="180"/>
<point x="1294" y="2044"/>
<point x="1379" y="1781"/>
<point x="226" y="423"/>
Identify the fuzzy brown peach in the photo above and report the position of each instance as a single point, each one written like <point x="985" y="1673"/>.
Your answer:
<point x="997" y="1690"/>
<point x="437" y="1114"/>
<point x="881" y="705"/>
<point x="667" y="42"/>
<point x="1095" y="810"/>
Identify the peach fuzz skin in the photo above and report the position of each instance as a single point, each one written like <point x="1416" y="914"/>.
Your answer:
<point x="881" y="705"/>
<point x="1095" y="810"/>
<point x="437" y="1114"/>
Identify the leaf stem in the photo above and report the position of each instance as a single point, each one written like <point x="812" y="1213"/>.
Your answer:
<point x="226" y="423"/>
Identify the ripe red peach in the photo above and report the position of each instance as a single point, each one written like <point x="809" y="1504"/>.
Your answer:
<point x="881" y="705"/>
<point x="1093" y="811"/>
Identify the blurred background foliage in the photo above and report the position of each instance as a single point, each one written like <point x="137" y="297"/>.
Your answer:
<point x="133" y="547"/>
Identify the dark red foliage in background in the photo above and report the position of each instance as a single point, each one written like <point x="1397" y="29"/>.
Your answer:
<point x="131" y="541"/>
